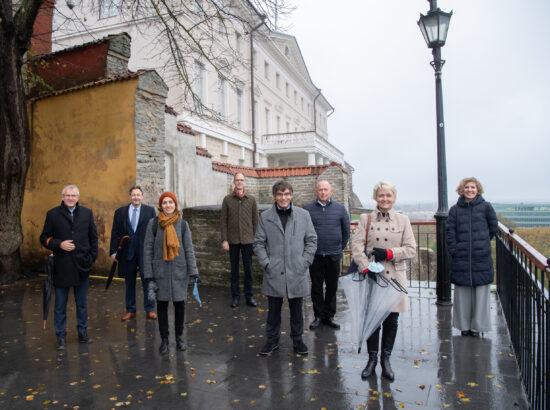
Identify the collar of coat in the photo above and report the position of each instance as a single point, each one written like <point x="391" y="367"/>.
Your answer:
<point x="464" y="204"/>
<point x="272" y="216"/>
<point x="66" y="208"/>
<point x="321" y="204"/>
<point x="378" y="214"/>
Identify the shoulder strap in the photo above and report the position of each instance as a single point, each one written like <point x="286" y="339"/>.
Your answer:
<point x="369" y="218"/>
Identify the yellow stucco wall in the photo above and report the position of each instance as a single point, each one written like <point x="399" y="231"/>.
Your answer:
<point x="84" y="138"/>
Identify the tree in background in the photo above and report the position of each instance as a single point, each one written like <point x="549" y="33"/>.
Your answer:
<point x="538" y="238"/>
<point x="181" y="39"/>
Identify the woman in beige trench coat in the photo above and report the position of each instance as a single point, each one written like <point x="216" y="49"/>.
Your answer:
<point x="392" y="243"/>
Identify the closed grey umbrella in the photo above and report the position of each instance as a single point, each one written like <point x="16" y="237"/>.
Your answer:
<point x="47" y="288"/>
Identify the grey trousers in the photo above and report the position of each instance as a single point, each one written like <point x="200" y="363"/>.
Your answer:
<point x="471" y="308"/>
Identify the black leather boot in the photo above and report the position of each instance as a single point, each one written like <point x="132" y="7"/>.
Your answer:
<point x="371" y="365"/>
<point x="180" y="345"/>
<point x="388" y="338"/>
<point x="387" y="371"/>
<point x="163" y="349"/>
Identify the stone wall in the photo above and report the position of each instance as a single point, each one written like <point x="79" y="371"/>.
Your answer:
<point x="212" y="260"/>
<point x="150" y="134"/>
<point x="304" y="186"/>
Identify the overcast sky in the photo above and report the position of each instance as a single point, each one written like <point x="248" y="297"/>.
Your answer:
<point x="372" y="64"/>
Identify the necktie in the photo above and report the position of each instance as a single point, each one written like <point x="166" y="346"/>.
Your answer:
<point x="134" y="219"/>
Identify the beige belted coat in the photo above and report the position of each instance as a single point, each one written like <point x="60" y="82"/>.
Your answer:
<point x="394" y="232"/>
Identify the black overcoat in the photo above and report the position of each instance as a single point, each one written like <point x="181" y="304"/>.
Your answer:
<point x="121" y="227"/>
<point x="470" y="228"/>
<point x="70" y="267"/>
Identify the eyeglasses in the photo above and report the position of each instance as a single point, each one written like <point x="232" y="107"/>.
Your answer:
<point x="283" y="194"/>
<point x="239" y="180"/>
<point x="71" y="195"/>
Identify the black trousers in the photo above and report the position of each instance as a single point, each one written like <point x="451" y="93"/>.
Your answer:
<point x="388" y="334"/>
<point x="324" y="270"/>
<point x="162" y="311"/>
<point x="273" y="326"/>
<point x="246" y="251"/>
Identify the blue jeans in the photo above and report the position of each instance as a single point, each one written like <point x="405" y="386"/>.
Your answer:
<point x="60" y="310"/>
<point x="246" y="251"/>
<point x="130" y="280"/>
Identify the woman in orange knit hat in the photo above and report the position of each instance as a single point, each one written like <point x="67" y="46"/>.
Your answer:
<point x="169" y="261"/>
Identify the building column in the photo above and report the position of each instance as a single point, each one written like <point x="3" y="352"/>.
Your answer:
<point x="265" y="162"/>
<point x="203" y="140"/>
<point x="311" y="158"/>
<point x="320" y="160"/>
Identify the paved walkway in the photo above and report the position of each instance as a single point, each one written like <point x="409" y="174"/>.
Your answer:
<point x="435" y="367"/>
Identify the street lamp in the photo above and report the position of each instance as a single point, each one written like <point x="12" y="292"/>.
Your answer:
<point x="434" y="26"/>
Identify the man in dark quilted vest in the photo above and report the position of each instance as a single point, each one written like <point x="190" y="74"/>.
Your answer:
<point x="331" y="222"/>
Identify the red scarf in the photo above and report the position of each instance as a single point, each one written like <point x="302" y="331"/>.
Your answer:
<point x="240" y="196"/>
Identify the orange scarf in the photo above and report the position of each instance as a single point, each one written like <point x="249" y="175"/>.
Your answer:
<point x="171" y="242"/>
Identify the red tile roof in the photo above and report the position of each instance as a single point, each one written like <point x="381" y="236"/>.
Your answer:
<point x="79" y="46"/>
<point x="274" y="172"/>
<point x="203" y="152"/>
<point x="186" y="129"/>
<point x="91" y="84"/>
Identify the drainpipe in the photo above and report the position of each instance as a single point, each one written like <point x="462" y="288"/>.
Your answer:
<point x="315" y="110"/>
<point x="253" y="114"/>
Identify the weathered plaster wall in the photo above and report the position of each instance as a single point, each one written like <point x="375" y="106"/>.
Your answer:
<point x="87" y="138"/>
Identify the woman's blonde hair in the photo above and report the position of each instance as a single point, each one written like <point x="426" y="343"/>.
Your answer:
<point x="383" y="185"/>
<point x="460" y="187"/>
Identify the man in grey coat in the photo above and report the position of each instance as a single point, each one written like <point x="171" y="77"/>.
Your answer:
<point x="285" y="244"/>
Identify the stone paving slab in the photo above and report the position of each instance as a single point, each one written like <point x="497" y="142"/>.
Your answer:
<point x="435" y="367"/>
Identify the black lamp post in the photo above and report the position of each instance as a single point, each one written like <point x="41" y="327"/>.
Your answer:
<point x="434" y="26"/>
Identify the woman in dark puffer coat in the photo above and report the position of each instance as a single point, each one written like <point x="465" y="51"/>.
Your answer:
<point x="471" y="225"/>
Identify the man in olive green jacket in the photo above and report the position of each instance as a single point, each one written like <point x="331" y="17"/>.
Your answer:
<point x="239" y="218"/>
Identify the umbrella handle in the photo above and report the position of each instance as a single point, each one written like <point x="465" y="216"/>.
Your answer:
<point x="398" y="286"/>
<point x="385" y="283"/>
<point x="44" y="324"/>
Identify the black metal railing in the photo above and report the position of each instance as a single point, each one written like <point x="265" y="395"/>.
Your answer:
<point x="422" y="271"/>
<point x="522" y="287"/>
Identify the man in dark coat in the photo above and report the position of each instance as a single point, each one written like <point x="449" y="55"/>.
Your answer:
<point x="239" y="218"/>
<point x="331" y="222"/>
<point x="132" y="220"/>
<point x="70" y="232"/>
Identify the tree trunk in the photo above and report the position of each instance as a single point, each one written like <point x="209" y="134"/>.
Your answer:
<point x="14" y="152"/>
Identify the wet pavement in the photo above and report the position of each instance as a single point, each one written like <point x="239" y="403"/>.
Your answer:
<point x="435" y="367"/>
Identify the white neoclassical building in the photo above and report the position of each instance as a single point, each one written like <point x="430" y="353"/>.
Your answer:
<point x="289" y="111"/>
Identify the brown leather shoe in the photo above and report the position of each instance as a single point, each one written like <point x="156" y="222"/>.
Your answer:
<point x="128" y="316"/>
<point x="151" y="315"/>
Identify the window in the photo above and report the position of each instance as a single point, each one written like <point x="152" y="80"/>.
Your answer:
<point x="287" y="89"/>
<point x="295" y="97"/>
<point x="255" y="58"/>
<point x="267" y="120"/>
<point x="278" y="81"/>
<point x="198" y="85"/>
<point x="266" y="69"/>
<point x="238" y="42"/>
<point x="239" y="108"/>
<point x="302" y="103"/>
<point x="108" y="8"/>
<point x="287" y="52"/>
<point x="221" y="96"/>
<point x="287" y="126"/>
<point x="278" y="124"/>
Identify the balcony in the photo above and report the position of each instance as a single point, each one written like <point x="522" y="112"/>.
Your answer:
<point x="299" y="148"/>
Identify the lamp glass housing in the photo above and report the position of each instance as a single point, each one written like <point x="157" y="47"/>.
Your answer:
<point x="434" y="27"/>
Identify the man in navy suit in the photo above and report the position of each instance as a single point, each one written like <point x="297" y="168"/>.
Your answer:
<point x="132" y="220"/>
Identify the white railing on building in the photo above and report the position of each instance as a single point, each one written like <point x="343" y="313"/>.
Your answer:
<point x="307" y="141"/>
